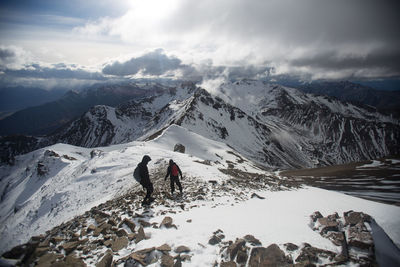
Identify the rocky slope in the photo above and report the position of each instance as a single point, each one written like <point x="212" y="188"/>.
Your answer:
<point x="82" y="207"/>
<point x="111" y="234"/>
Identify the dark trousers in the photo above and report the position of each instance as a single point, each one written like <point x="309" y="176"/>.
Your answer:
<point x="175" y="180"/>
<point x="149" y="190"/>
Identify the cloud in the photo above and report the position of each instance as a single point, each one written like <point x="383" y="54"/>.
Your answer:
<point x="310" y="35"/>
<point x="13" y="57"/>
<point x="56" y="71"/>
<point x="155" y="63"/>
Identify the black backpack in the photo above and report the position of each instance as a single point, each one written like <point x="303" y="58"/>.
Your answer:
<point x="136" y="174"/>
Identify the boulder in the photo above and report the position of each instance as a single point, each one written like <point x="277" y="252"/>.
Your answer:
<point x="106" y="261"/>
<point x="353" y="218"/>
<point x="254" y="195"/>
<point x="128" y="223"/>
<point x="140" y="236"/>
<point x="121" y="232"/>
<point x="235" y="247"/>
<point x="166" y="222"/>
<point x="164" y="248"/>
<point x="167" y="261"/>
<point x="182" y="249"/>
<point x="214" y="240"/>
<point x="270" y="256"/>
<point x="119" y="243"/>
<point x="70" y="246"/>
<point x="315" y="216"/>
<point x="95" y="153"/>
<point x="179" y="148"/>
<point x="311" y="254"/>
<point x="360" y="239"/>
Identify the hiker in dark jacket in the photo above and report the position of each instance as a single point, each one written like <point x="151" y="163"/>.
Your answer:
<point x="145" y="179"/>
<point x="173" y="171"/>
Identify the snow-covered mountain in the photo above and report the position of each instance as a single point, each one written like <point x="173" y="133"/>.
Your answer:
<point x="91" y="199"/>
<point x="271" y="124"/>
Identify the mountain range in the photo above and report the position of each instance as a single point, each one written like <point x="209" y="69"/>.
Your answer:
<point x="276" y="126"/>
<point x="387" y="102"/>
<point x="48" y="117"/>
<point x="70" y="199"/>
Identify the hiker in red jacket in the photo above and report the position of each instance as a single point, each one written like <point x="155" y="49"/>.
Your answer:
<point x="173" y="171"/>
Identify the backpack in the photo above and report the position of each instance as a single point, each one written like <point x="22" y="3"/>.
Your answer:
<point x="174" y="170"/>
<point x="136" y="174"/>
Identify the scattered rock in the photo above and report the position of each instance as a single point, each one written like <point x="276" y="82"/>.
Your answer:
<point x="95" y="153"/>
<point x="51" y="153"/>
<point x="144" y="223"/>
<point x="68" y="157"/>
<point x="182" y="249"/>
<point x="254" y="195"/>
<point x="42" y="169"/>
<point x="214" y="240"/>
<point x="185" y="257"/>
<point x="119" y="243"/>
<point x="140" y="236"/>
<point x="69" y="246"/>
<point x="91" y="228"/>
<point x="315" y="216"/>
<point x="106" y="261"/>
<point x="167" y="261"/>
<point x="121" y="232"/>
<point x="164" y="248"/>
<point x="166" y="222"/>
<point x="128" y="223"/>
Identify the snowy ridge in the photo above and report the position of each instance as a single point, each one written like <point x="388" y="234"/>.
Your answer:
<point x="53" y="185"/>
<point x="74" y="183"/>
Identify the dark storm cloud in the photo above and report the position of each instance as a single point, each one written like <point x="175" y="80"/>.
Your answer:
<point x="328" y="35"/>
<point x="330" y="60"/>
<point x="6" y="54"/>
<point x="154" y="63"/>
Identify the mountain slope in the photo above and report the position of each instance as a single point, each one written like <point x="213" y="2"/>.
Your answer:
<point x="48" y="117"/>
<point x="92" y="201"/>
<point x="385" y="101"/>
<point x="276" y="126"/>
<point x="318" y="129"/>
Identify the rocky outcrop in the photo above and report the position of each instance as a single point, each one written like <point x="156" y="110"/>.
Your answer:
<point x="348" y="232"/>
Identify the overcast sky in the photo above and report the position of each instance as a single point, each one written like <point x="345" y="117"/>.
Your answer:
<point x="75" y="41"/>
